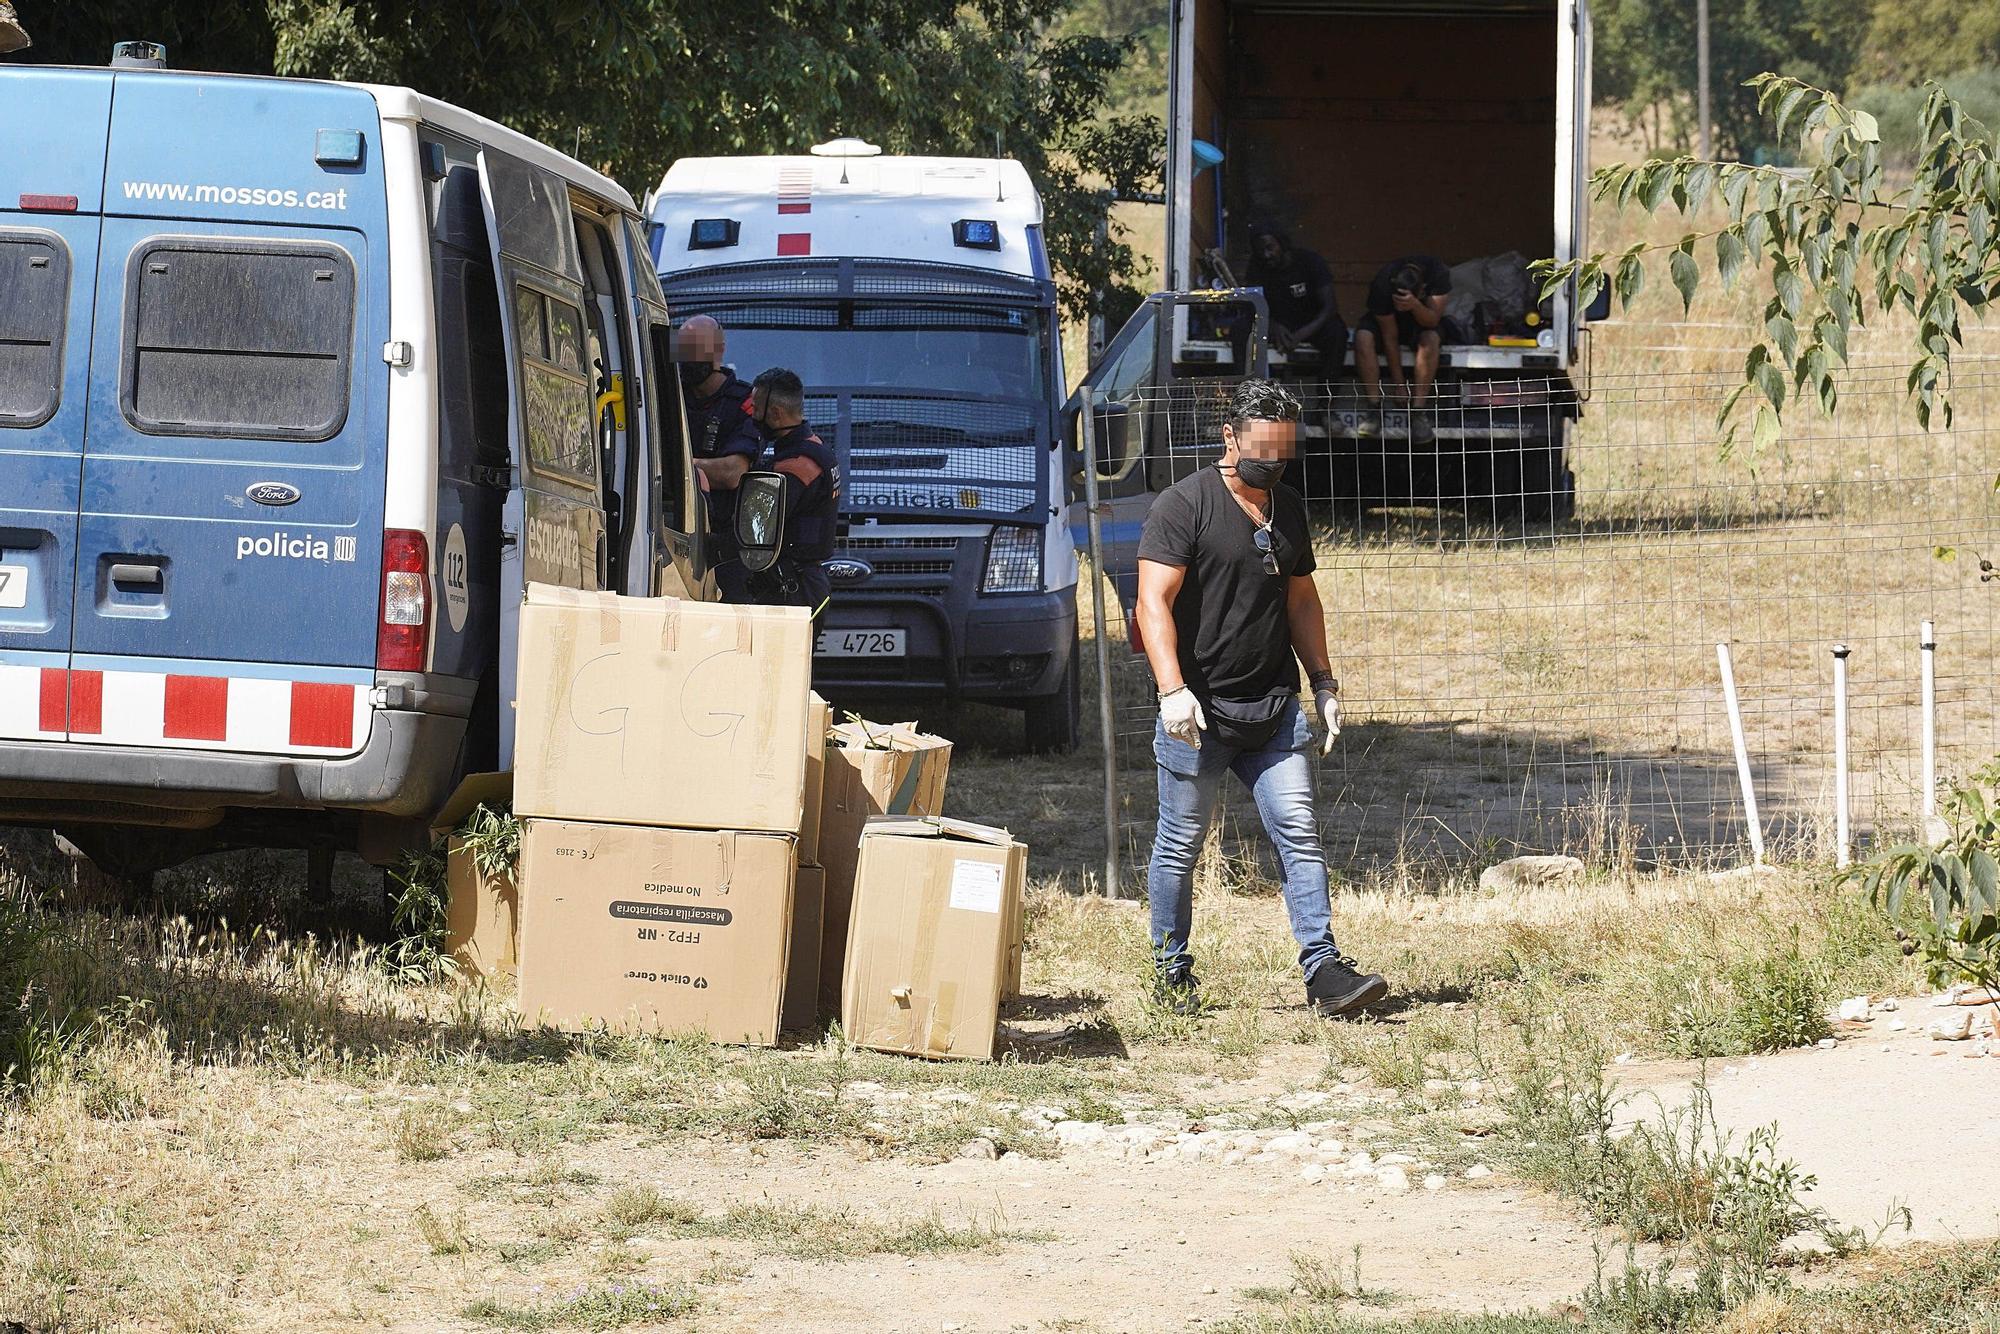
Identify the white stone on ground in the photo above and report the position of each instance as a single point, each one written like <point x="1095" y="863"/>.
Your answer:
<point x="1393" y="1179"/>
<point x="1854" y="1009"/>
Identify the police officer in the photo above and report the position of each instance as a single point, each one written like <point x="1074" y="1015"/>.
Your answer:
<point x="724" y="444"/>
<point x="812" y="494"/>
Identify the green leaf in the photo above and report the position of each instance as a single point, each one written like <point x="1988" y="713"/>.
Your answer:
<point x="1772" y="381"/>
<point x="1630" y="281"/>
<point x="1785" y="280"/>
<point x="1728" y="257"/>
<point x="1700" y="181"/>
<point x="1785" y="335"/>
<point x="1985" y="881"/>
<point x="1753" y="237"/>
<point x="1830" y="331"/>
<point x="1659" y="179"/>
<point x="1865" y="129"/>
<point x="1767" y="430"/>
<point x="1787" y="107"/>
<point x="1735" y="182"/>
<point x="1978" y="221"/>
<point x="1685" y="273"/>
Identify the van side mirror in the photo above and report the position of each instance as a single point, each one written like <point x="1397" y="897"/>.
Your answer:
<point x="760" y="519"/>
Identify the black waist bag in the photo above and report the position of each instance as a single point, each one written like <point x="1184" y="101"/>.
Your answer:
<point x="1248" y="724"/>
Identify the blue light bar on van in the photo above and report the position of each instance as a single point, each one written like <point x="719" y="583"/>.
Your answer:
<point x="976" y="234"/>
<point x="338" y="148"/>
<point x="713" y="233"/>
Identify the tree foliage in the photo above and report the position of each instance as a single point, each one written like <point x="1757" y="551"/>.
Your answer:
<point x="1957" y="880"/>
<point x="1910" y="40"/>
<point x="630" y="85"/>
<point x="1644" y="57"/>
<point x="1829" y="241"/>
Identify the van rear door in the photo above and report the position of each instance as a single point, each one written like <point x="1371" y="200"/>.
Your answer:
<point x="51" y="193"/>
<point x="552" y="525"/>
<point x="229" y="552"/>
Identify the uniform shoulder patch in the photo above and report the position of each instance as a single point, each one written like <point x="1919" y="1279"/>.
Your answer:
<point x="800" y="467"/>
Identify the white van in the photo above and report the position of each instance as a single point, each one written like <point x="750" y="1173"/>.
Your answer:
<point x="913" y="296"/>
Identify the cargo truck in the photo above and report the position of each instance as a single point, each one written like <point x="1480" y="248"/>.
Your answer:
<point x="1367" y="131"/>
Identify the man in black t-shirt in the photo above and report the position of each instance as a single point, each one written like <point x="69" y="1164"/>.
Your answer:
<point x="1406" y="304"/>
<point x="1298" y="290"/>
<point x="1228" y="610"/>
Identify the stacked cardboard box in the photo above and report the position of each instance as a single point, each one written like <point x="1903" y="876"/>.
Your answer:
<point x="933" y="936"/>
<point x="871" y="770"/>
<point x="661" y="756"/>
<point x="482" y="924"/>
<point x="809" y="883"/>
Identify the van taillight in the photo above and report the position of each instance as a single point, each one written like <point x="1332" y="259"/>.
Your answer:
<point x="405" y="628"/>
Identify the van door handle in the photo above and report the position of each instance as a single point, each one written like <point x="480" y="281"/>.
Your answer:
<point x="136" y="576"/>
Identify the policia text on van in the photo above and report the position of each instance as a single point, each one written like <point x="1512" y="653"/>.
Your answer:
<point x="274" y="474"/>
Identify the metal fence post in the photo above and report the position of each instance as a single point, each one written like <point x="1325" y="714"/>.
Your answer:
<point x="1106" y="722"/>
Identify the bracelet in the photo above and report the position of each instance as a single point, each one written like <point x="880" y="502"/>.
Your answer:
<point x="1162" y="694"/>
<point x="1326" y="681"/>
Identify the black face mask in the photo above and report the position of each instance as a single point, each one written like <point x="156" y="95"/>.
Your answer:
<point x="694" y="372"/>
<point x="1260" y="474"/>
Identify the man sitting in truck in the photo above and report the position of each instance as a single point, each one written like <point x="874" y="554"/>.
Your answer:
<point x="720" y="437"/>
<point x="1406" y="304"/>
<point x="1298" y="291"/>
<point x="812" y="495"/>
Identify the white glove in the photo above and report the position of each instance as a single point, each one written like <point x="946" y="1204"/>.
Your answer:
<point x="1327" y="705"/>
<point x="1181" y="715"/>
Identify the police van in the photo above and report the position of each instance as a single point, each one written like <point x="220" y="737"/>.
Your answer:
<point x="913" y="296"/>
<point x="300" y="383"/>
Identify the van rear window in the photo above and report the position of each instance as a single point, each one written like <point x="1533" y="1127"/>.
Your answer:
<point x="238" y="338"/>
<point x="34" y="302"/>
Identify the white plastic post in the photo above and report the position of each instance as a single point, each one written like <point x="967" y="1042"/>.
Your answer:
<point x="1927" y="650"/>
<point x="1106" y="719"/>
<point x="1742" y="754"/>
<point x="1842" y="844"/>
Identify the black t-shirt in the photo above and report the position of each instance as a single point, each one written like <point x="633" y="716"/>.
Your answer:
<point x="1235" y="640"/>
<point x="1292" y="286"/>
<point x="1381" y="292"/>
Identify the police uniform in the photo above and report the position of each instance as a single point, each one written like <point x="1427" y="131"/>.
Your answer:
<point x="719" y="425"/>
<point x="812" y="517"/>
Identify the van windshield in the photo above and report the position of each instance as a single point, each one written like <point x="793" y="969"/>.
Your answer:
<point x="984" y="351"/>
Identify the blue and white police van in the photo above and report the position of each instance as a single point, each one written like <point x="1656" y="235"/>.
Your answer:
<point x="913" y="296"/>
<point x="300" y="383"/>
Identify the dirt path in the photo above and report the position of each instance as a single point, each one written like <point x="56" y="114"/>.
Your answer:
<point x="1132" y="1246"/>
<point x="1886" y="1117"/>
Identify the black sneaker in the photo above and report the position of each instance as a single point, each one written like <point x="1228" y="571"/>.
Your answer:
<point x="1339" y="987"/>
<point x="1178" y="991"/>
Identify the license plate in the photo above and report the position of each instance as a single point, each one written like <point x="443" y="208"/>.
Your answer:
<point x="860" y="644"/>
<point x="13" y="585"/>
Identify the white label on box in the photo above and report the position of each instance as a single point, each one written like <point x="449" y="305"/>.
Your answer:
<point x="975" y="886"/>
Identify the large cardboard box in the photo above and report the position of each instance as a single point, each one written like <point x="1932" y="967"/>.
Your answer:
<point x="482" y="916"/>
<point x="932" y="929"/>
<point x="801" y="1008"/>
<point x="655" y="930"/>
<point x="819" y="722"/>
<point x="871" y="770"/>
<point x="656" y="711"/>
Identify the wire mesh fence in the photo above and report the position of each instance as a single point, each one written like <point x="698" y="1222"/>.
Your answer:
<point x="1525" y="587"/>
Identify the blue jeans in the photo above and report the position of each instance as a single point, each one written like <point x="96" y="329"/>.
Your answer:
<point x="1279" y="777"/>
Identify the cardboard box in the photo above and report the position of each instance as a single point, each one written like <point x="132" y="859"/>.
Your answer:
<point x="655" y="711"/>
<point x="819" y="722"/>
<point x="871" y="770"/>
<point x="655" y="930"/>
<point x="801" y="1010"/>
<point x="482" y="916"/>
<point x="931" y="932"/>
